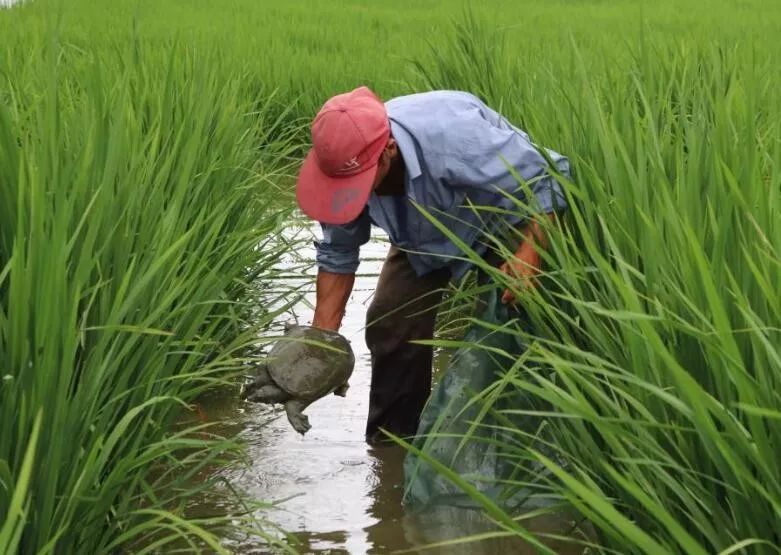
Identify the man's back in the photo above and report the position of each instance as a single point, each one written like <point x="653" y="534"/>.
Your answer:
<point x="457" y="152"/>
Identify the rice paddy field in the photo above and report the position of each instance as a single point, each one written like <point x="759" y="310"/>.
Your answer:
<point x="146" y="155"/>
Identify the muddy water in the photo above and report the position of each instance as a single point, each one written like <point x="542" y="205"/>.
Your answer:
<point x="341" y="496"/>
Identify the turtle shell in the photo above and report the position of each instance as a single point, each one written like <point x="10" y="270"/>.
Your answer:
<point x="310" y="363"/>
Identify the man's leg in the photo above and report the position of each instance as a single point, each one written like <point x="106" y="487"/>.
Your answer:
<point x="403" y="309"/>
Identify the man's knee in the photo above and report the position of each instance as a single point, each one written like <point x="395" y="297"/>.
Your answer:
<point x="390" y="326"/>
<point x="384" y="330"/>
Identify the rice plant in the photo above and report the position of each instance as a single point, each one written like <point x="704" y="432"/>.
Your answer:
<point x="137" y="217"/>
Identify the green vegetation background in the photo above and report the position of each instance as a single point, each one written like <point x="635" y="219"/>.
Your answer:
<point x="310" y="49"/>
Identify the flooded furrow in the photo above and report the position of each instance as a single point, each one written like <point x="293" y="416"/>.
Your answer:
<point x="340" y="495"/>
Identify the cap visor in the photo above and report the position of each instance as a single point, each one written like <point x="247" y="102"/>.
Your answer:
<point x="332" y="200"/>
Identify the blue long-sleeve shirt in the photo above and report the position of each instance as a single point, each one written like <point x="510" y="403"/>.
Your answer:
<point x="457" y="151"/>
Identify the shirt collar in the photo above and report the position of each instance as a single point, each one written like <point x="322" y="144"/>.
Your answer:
<point x="407" y="148"/>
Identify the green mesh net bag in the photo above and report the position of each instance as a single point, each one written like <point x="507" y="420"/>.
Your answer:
<point x="464" y="426"/>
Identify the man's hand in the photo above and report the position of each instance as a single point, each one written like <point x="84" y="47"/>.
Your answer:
<point x="525" y="265"/>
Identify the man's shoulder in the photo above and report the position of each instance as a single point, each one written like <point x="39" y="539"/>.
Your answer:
<point x="434" y="119"/>
<point x="430" y="103"/>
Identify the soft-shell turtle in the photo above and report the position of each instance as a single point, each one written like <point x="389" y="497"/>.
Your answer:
<point x="307" y="364"/>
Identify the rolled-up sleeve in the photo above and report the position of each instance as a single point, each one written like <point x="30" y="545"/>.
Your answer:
<point x="339" y="249"/>
<point x="484" y="152"/>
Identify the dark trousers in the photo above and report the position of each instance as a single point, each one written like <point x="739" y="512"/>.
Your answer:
<point x="403" y="309"/>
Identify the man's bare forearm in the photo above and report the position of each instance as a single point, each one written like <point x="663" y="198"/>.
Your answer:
<point x="333" y="290"/>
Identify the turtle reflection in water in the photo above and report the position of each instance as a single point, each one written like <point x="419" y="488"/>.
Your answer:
<point x="309" y="363"/>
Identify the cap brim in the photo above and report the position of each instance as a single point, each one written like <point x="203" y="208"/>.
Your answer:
<point x="332" y="200"/>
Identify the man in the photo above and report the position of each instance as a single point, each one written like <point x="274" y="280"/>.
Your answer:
<point x="372" y="163"/>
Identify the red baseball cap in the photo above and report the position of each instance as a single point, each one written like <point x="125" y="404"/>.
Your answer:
<point x="349" y="134"/>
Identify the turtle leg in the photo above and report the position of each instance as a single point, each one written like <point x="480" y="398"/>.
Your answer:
<point x="262" y="378"/>
<point x="341" y="391"/>
<point x="294" y="409"/>
<point x="268" y="394"/>
<point x="263" y="389"/>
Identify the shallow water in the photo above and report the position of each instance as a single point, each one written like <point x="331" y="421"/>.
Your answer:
<point x="342" y="496"/>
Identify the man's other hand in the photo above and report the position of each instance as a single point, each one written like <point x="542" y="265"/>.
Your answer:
<point x="524" y="267"/>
